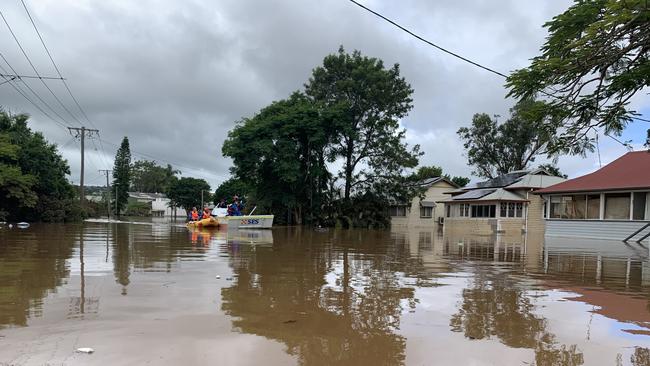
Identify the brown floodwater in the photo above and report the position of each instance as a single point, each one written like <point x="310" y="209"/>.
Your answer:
<point x="156" y="293"/>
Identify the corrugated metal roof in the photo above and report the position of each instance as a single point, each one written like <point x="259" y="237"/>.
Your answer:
<point x="492" y="194"/>
<point x="630" y="171"/>
<point x="500" y="181"/>
<point x="536" y="181"/>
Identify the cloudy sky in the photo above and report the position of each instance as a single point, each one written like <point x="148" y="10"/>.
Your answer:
<point x="175" y="76"/>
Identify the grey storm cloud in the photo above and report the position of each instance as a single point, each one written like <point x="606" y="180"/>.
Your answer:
<point x="175" y="76"/>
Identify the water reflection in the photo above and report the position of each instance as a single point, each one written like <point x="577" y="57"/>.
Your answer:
<point x="335" y="297"/>
<point x="331" y="302"/>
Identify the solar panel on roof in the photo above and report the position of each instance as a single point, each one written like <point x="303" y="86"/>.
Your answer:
<point x="474" y="194"/>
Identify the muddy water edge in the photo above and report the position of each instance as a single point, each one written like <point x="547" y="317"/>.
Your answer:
<point x="158" y="293"/>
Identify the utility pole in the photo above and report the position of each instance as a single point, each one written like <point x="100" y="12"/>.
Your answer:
<point x="108" y="192"/>
<point x="81" y="133"/>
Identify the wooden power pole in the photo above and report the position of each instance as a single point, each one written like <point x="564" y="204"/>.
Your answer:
<point x="81" y="133"/>
<point x="108" y="192"/>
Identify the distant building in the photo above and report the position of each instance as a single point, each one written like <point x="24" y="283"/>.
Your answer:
<point x="426" y="212"/>
<point x="499" y="205"/>
<point x="611" y="203"/>
<point x="159" y="204"/>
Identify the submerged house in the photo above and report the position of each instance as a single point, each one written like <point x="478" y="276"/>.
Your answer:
<point x="611" y="203"/>
<point x="425" y="212"/>
<point x="504" y="204"/>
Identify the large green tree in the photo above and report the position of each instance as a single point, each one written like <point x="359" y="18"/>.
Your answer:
<point x="494" y="149"/>
<point x="279" y="155"/>
<point x="29" y="158"/>
<point x="368" y="100"/>
<point x="433" y="171"/>
<point x="148" y="176"/>
<point x="231" y="187"/>
<point x="122" y="175"/>
<point x="595" y="59"/>
<point x="186" y="192"/>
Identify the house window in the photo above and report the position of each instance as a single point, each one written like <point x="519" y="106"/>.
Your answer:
<point x="426" y="212"/>
<point x="448" y="210"/>
<point x="463" y="210"/>
<point x="593" y="206"/>
<point x="397" y="211"/>
<point x="617" y="206"/>
<point x="511" y="209"/>
<point x="483" y="210"/>
<point x="638" y="209"/>
<point x="568" y="207"/>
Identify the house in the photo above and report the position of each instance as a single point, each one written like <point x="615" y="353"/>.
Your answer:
<point x="423" y="212"/>
<point x="499" y="205"/>
<point x="611" y="203"/>
<point x="159" y="204"/>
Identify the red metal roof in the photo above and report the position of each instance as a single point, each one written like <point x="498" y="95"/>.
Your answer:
<point x="630" y="171"/>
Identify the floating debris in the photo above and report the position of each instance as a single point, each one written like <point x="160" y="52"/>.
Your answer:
<point x="85" y="350"/>
<point x="289" y="321"/>
<point x="22" y="225"/>
<point x="229" y="279"/>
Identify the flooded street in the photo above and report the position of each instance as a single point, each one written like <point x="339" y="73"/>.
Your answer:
<point x="160" y="294"/>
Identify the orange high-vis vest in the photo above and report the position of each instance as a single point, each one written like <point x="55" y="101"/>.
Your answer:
<point x="195" y="215"/>
<point x="206" y="215"/>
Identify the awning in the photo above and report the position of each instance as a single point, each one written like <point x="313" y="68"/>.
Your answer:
<point x="427" y="204"/>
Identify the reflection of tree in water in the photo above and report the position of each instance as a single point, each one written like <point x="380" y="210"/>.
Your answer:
<point x="122" y="255"/>
<point x="281" y="293"/>
<point x="32" y="263"/>
<point x="494" y="306"/>
<point x="641" y="357"/>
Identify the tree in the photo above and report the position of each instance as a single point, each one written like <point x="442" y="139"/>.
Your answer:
<point x="495" y="149"/>
<point x="433" y="171"/>
<point x="186" y="192"/>
<point x="231" y="187"/>
<point x="15" y="187"/>
<point x="147" y="176"/>
<point x="34" y="174"/>
<point x="553" y="169"/>
<point x="595" y="59"/>
<point x="460" y="181"/>
<point x="122" y="175"/>
<point x="278" y="156"/>
<point x="368" y="101"/>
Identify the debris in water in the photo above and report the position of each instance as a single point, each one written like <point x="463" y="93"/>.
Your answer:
<point x="229" y="279"/>
<point x="290" y="321"/>
<point x="218" y="277"/>
<point x="22" y="225"/>
<point x="85" y="350"/>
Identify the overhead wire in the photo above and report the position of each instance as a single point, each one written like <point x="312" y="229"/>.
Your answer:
<point x="33" y="92"/>
<point x="36" y="70"/>
<point x="421" y="38"/>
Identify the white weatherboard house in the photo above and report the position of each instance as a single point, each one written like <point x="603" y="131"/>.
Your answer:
<point x="159" y="204"/>
<point x="611" y="203"/>
<point x="504" y="204"/>
<point x="423" y="212"/>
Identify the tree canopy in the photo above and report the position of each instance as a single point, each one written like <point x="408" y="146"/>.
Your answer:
<point x="186" y="192"/>
<point x="148" y="176"/>
<point x="494" y="149"/>
<point x="278" y="155"/>
<point x="367" y="100"/>
<point x="122" y="175"/>
<point x="231" y="187"/>
<point x="595" y="59"/>
<point x="33" y="175"/>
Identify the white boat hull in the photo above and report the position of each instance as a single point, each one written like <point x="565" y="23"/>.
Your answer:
<point x="247" y="222"/>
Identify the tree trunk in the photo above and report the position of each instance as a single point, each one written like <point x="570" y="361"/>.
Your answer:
<point x="348" y="170"/>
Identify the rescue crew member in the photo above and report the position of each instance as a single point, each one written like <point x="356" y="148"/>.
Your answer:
<point x="206" y="213"/>
<point x="195" y="214"/>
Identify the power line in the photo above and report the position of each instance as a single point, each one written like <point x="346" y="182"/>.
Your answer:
<point x="35" y="70"/>
<point x="32" y="77"/>
<point x="54" y="64"/>
<point x="447" y="51"/>
<point x="33" y="92"/>
<point x="427" y="41"/>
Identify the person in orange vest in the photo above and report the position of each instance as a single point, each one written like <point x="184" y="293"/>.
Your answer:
<point x="206" y="213"/>
<point x="195" y="214"/>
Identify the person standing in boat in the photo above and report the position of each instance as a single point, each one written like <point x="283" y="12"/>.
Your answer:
<point x="235" y="208"/>
<point x="222" y="204"/>
<point x="194" y="215"/>
<point x="206" y="213"/>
